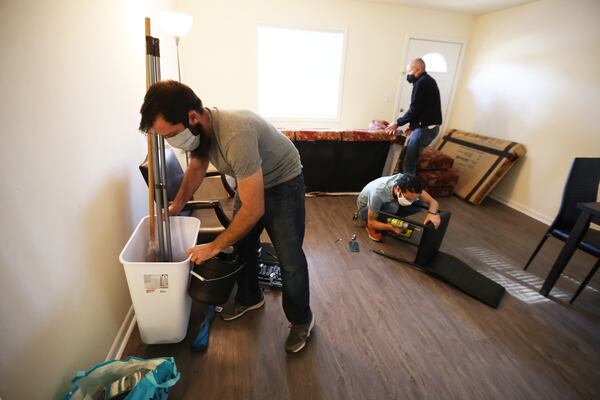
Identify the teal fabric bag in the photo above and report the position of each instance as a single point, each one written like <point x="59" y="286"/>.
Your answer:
<point x="130" y="379"/>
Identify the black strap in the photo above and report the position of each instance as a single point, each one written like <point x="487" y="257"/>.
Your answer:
<point x="491" y="150"/>
<point x="489" y="171"/>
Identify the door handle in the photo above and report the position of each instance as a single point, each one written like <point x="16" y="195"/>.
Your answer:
<point x="402" y="110"/>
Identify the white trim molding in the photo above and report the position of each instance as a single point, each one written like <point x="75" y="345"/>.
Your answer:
<point x="521" y="208"/>
<point x="118" y="345"/>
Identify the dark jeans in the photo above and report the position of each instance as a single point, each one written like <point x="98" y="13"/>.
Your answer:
<point x="418" y="140"/>
<point x="284" y="221"/>
<point x="415" y="207"/>
<point x="395" y="209"/>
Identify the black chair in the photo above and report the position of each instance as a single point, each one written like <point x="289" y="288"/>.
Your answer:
<point x="174" y="179"/>
<point x="586" y="280"/>
<point x="581" y="187"/>
<point x="212" y="171"/>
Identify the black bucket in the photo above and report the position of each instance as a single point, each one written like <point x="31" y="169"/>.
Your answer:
<point x="213" y="281"/>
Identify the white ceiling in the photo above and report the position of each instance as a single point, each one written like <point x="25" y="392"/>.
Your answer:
<point x="476" y="7"/>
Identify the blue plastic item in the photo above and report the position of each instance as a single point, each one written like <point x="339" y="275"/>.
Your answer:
<point x="134" y="377"/>
<point x="200" y="343"/>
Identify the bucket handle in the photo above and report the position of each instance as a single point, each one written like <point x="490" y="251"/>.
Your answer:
<point x="203" y="279"/>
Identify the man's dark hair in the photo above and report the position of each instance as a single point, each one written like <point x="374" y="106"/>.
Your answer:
<point x="171" y="99"/>
<point x="409" y="183"/>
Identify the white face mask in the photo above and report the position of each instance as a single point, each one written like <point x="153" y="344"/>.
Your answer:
<point x="185" y="140"/>
<point x="403" y="201"/>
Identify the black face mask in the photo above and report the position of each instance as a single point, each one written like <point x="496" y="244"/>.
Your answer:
<point x="411" y="78"/>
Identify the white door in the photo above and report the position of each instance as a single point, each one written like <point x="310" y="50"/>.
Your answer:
<point x="441" y="62"/>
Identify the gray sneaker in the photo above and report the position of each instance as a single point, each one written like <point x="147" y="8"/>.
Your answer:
<point x="235" y="310"/>
<point x="298" y="336"/>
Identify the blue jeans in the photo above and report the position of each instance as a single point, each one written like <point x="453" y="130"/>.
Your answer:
<point x="284" y="220"/>
<point x="418" y="140"/>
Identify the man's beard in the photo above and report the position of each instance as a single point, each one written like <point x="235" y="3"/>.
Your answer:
<point x="205" y="141"/>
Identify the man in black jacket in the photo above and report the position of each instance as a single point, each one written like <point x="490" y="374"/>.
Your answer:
<point x="424" y="115"/>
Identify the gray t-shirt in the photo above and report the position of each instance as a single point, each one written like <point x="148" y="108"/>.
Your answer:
<point x="379" y="193"/>
<point x="245" y="142"/>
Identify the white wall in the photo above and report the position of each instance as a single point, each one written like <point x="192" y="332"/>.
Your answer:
<point x="531" y="76"/>
<point x="72" y="78"/>
<point x="72" y="75"/>
<point x="219" y="56"/>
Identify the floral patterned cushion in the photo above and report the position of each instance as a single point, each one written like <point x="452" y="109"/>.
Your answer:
<point x="364" y="135"/>
<point x="314" y="135"/>
<point x="438" y="178"/>
<point x="434" y="159"/>
<point x="290" y="134"/>
<point x="356" y="135"/>
<point x="441" y="191"/>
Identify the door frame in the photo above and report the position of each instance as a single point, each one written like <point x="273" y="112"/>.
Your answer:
<point x="402" y="77"/>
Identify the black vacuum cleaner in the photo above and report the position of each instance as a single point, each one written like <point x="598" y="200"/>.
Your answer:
<point x="440" y="265"/>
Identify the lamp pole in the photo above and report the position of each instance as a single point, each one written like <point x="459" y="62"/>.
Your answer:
<point x="178" y="65"/>
<point x="177" y="25"/>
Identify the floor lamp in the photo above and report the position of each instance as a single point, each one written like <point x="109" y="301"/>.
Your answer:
<point x="177" y="25"/>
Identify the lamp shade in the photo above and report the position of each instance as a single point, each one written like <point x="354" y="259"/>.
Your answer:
<point x="175" y="23"/>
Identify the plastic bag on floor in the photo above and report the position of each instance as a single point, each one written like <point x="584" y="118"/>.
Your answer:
<point x="130" y="379"/>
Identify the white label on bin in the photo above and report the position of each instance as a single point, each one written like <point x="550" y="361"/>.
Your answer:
<point x="157" y="283"/>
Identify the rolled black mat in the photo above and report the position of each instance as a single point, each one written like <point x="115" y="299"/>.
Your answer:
<point x="456" y="273"/>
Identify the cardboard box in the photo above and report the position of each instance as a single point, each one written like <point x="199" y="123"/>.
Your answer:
<point x="480" y="161"/>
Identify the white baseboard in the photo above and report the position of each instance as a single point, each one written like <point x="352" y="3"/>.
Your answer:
<point x="118" y="345"/>
<point x="520" y="207"/>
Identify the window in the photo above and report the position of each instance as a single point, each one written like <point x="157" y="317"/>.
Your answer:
<point x="435" y="62"/>
<point x="299" y="72"/>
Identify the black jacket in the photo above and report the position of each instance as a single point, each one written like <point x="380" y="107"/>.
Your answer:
<point x="425" y="108"/>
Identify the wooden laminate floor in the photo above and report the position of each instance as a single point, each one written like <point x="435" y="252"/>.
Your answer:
<point x="385" y="331"/>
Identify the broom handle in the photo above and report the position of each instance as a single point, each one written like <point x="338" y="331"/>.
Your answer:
<point x="150" y="155"/>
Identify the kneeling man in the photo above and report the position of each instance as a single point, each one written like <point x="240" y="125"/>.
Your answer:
<point x="400" y="194"/>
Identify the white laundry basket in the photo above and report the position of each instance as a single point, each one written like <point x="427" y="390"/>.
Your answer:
<point x="159" y="290"/>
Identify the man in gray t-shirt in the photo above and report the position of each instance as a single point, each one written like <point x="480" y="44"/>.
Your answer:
<point x="270" y="193"/>
<point x="245" y="143"/>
